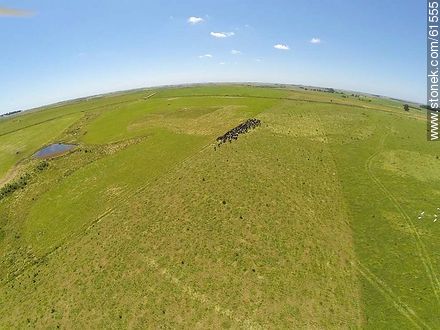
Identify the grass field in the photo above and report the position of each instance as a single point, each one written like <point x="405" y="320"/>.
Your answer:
<point x="309" y="221"/>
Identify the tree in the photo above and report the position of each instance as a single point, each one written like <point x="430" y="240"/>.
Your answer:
<point x="406" y="107"/>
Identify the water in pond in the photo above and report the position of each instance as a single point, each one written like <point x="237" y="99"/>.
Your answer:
<point x="53" y="149"/>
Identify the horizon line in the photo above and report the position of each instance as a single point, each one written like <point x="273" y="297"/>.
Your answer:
<point x="66" y="101"/>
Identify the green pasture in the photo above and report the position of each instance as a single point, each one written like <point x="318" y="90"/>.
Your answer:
<point x="312" y="220"/>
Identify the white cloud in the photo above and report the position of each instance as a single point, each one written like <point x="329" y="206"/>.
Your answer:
<point x="222" y="34"/>
<point x="281" y="47"/>
<point x="258" y="60"/>
<point x="235" y="52"/>
<point x="315" y="41"/>
<point x="195" y="20"/>
<point x="222" y="63"/>
<point x="206" y="56"/>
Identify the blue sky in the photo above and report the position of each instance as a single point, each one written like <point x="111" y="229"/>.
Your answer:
<point x="68" y="49"/>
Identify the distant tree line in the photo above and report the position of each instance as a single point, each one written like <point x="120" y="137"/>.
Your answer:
<point x="10" y="113"/>
<point x="428" y="107"/>
<point x="328" y="90"/>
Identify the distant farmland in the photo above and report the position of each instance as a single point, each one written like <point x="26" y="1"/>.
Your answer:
<point x="323" y="216"/>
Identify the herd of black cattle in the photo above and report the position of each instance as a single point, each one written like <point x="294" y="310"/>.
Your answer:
<point x="240" y="129"/>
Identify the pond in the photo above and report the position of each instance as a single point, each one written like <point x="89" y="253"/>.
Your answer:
<point x="53" y="150"/>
